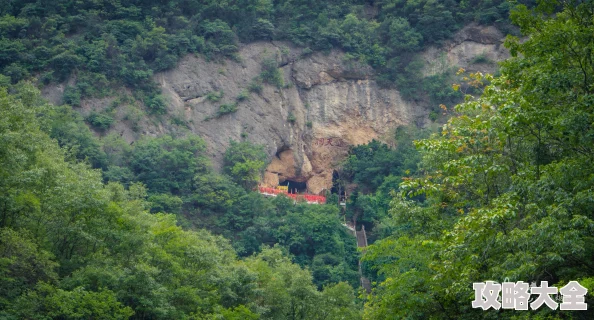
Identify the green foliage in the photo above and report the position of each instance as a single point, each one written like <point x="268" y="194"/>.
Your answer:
<point x="402" y="37"/>
<point x="372" y="172"/>
<point x="178" y="119"/>
<point x="263" y="29"/>
<point x="220" y="39"/>
<point x="134" y="115"/>
<point x="507" y="184"/>
<point x="369" y="164"/>
<point x="289" y="295"/>
<point x="255" y="85"/>
<point x="69" y="129"/>
<point x="207" y="199"/>
<point x="245" y="163"/>
<point x="439" y="89"/>
<point x="406" y="75"/>
<point x="90" y="84"/>
<point x="100" y="120"/>
<point x="167" y="165"/>
<point x="314" y="235"/>
<point x="505" y="174"/>
<point x="481" y="58"/>
<point x="156" y="104"/>
<point x="226" y="108"/>
<point x="16" y="72"/>
<point x="215" y="96"/>
<point x="22" y="262"/>
<point x="284" y="50"/>
<point x="271" y="73"/>
<point x="72" y="247"/>
<point x="433" y="115"/>
<point x="116" y="149"/>
<point x="4" y="81"/>
<point x="123" y="175"/>
<point x="291" y="118"/>
<point x="64" y="63"/>
<point x="72" y="96"/>
<point x="78" y="303"/>
<point x="436" y="23"/>
<point x="165" y="203"/>
<point x="243" y="95"/>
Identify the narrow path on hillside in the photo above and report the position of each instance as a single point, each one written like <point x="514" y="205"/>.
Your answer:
<point x="362" y="243"/>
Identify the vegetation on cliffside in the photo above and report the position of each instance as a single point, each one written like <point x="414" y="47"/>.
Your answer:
<point x="99" y="228"/>
<point x="106" y="44"/>
<point x="75" y="247"/>
<point x="504" y="191"/>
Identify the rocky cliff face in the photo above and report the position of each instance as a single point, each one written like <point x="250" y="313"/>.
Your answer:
<point x="474" y="48"/>
<point x="307" y="125"/>
<point x="326" y="104"/>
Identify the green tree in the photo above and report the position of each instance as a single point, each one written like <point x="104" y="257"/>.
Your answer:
<point x="271" y="73"/>
<point x="68" y="127"/>
<point x="22" y="265"/>
<point x="402" y="37"/>
<point x="436" y="23"/>
<point x="167" y="165"/>
<point x="48" y="301"/>
<point x="370" y="163"/>
<point x="244" y="162"/>
<point x="72" y="247"/>
<point x="505" y="182"/>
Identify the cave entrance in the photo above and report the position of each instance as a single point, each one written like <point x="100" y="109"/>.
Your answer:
<point x="294" y="186"/>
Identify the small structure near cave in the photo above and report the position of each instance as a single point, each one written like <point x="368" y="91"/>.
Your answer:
<point x="293" y="186"/>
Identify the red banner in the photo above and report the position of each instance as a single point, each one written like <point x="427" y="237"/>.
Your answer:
<point x="309" y="198"/>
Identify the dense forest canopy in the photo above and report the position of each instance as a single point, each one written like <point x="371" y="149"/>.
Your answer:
<point x="96" y="227"/>
<point x="74" y="247"/>
<point x="105" y="44"/>
<point x="507" y="184"/>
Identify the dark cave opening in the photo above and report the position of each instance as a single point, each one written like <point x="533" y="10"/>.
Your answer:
<point x="294" y="186"/>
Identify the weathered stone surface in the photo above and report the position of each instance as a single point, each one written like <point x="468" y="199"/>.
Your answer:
<point x="335" y="103"/>
<point x="319" y="69"/>
<point x="474" y="48"/>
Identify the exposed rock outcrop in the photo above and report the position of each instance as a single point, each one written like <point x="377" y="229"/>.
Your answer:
<point x="326" y="104"/>
<point x="307" y="126"/>
<point x="474" y="48"/>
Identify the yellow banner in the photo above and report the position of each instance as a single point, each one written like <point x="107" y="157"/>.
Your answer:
<point x="284" y="188"/>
